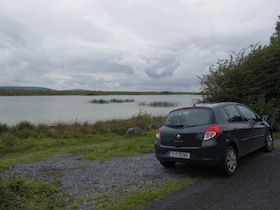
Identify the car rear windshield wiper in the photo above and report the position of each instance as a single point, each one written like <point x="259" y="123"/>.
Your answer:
<point x="176" y="126"/>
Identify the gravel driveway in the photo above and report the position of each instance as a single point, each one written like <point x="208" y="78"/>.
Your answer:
<point x="84" y="181"/>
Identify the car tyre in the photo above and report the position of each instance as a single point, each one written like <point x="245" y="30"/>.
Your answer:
<point x="229" y="164"/>
<point x="269" y="143"/>
<point x="167" y="164"/>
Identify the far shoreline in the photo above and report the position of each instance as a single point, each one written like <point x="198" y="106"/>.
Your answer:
<point x="21" y="92"/>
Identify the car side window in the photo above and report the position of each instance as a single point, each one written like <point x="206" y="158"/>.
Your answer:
<point x="247" y="113"/>
<point x="231" y="114"/>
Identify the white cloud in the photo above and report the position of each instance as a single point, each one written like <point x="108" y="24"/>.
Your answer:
<point x="127" y="44"/>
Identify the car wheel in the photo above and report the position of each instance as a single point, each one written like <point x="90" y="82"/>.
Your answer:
<point x="269" y="143"/>
<point x="167" y="164"/>
<point x="229" y="164"/>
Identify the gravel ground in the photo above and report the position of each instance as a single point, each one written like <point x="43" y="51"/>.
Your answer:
<point x="84" y="181"/>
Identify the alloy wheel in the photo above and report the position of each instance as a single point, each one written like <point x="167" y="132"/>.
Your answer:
<point x="231" y="161"/>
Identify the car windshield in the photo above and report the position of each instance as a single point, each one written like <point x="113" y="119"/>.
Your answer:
<point x="189" y="117"/>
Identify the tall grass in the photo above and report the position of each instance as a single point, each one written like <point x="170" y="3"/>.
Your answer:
<point x="27" y="139"/>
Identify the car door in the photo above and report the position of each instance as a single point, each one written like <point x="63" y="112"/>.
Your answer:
<point x="257" y="126"/>
<point x="240" y="131"/>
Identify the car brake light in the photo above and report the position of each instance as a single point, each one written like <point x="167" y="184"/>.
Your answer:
<point x="212" y="132"/>
<point x="158" y="134"/>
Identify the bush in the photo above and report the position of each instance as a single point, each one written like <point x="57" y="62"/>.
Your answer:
<point x="24" y="125"/>
<point x="270" y="108"/>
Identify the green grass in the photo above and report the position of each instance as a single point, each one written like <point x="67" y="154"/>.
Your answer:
<point x="25" y="142"/>
<point x="120" y="147"/>
<point x="18" y="192"/>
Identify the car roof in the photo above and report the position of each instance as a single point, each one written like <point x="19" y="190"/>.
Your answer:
<point x="214" y="105"/>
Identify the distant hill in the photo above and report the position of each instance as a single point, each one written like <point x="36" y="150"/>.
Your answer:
<point x="22" y="88"/>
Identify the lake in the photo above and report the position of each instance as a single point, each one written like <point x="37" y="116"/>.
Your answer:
<point x="71" y="109"/>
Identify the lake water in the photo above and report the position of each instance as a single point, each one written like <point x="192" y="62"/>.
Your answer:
<point x="70" y="109"/>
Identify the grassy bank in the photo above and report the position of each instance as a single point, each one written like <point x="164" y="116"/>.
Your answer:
<point x="23" y="142"/>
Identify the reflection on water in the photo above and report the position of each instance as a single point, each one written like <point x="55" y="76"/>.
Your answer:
<point x="70" y="109"/>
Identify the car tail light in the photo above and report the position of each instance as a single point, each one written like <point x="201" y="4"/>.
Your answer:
<point x="158" y="134"/>
<point x="212" y="132"/>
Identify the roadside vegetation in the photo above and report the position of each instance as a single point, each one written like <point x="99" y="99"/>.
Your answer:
<point x="139" y="198"/>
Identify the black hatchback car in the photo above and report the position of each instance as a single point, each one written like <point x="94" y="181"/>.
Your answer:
<point x="215" y="134"/>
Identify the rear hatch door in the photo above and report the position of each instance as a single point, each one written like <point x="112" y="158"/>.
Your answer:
<point x="183" y="137"/>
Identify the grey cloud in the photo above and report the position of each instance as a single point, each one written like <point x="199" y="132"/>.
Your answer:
<point x="125" y="45"/>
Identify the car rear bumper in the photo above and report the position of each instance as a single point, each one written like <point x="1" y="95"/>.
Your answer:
<point x="209" y="154"/>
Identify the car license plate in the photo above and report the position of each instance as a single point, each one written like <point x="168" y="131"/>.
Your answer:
<point x="183" y="155"/>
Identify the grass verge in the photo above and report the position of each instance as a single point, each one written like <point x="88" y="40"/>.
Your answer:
<point x="139" y="198"/>
<point x="18" y="192"/>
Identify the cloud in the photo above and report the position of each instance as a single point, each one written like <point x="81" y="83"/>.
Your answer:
<point x="127" y="44"/>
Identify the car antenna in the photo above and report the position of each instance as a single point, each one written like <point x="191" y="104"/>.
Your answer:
<point x="193" y="101"/>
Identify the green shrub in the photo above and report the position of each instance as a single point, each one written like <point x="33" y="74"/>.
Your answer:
<point x="262" y="107"/>
<point x="141" y="120"/>
<point x="24" y="125"/>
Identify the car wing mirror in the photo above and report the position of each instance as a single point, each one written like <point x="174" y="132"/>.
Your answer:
<point x="252" y="122"/>
<point x="265" y="117"/>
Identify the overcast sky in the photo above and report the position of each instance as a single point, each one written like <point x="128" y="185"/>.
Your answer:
<point x="126" y="45"/>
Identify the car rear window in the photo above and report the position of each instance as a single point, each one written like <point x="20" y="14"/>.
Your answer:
<point x="189" y="117"/>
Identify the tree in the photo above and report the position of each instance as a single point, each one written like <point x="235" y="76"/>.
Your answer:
<point x="275" y="38"/>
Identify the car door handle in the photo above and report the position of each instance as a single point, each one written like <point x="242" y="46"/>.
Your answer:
<point x="235" y="129"/>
